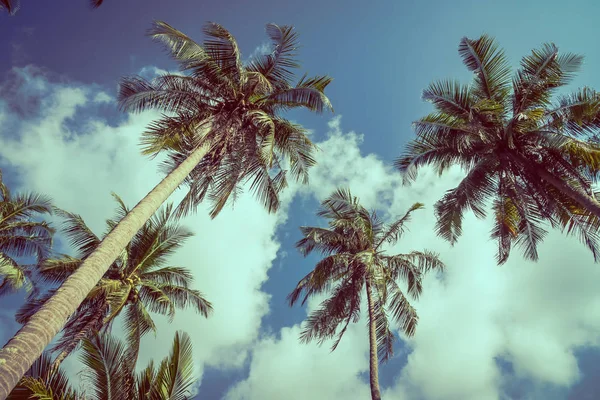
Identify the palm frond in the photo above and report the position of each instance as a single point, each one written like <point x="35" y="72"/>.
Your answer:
<point x="80" y="236"/>
<point x="178" y="276"/>
<point x="137" y="323"/>
<point x="396" y="229"/>
<point x="471" y="193"/>
<point x="223" y="50"/>
<point x="175" y="375"/>
<point x="57" y="270"/>
<point x="450" y="97"/>
<point x="402" y="312"/>
<point x="180" y="46"/>
<point x="488" y="62"/>
<point x="277" y="66"/>
<point x="105" y="359"/>
<point x="42" y="382"/>
<point x="327" y="271"/>
<point x="13" y="276"/>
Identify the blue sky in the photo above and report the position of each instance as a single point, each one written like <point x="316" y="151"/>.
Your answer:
<point x="381" y="56"/>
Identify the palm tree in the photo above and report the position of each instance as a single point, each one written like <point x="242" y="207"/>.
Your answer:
<point x="21" y="236"/>
<point x="223" y="129"/>
<point x="110" y="374"/>
<point x="521" y="150"/>
<point x="136" y="284"/>
<point x="355" y="261"/>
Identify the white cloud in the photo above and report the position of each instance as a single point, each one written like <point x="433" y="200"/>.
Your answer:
<point x="285" y="369"/>
<point x="263" y="49"/>
<point x="102" y="97"/>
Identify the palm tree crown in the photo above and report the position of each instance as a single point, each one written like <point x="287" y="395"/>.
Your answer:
<point x="525" y="153"/>
<point x="231" y="108"/>
<point x="21" y="236"/>
<point x="355" y="262"/>
<point x="137" y="284"/>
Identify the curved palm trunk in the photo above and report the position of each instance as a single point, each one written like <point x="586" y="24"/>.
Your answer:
<point x="590" y="203"/>
<point x="28" y="343"/>
<point x="373" y="359"/>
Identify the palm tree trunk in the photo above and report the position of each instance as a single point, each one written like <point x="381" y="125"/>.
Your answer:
<point x="373" y="359"/>
<point x="28" y="343"/>
<point x="585" y="200"/>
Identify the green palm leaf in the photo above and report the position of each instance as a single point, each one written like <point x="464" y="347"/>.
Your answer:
<point x="175" y="375"/>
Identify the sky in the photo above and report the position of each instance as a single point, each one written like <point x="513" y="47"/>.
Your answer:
<point x="520" y="331"/>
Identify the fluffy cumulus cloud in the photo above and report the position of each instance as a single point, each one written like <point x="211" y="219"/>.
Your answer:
<point x="532" y="316"/>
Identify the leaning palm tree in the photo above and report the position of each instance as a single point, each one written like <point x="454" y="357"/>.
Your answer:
<point x="21" y="236"/>
<point x="355" y="261"/>
<point x="524" y="152"/>
<point x="222" y="129"/>
<point x="137" y="284"/>
<point x="110" y="374"/>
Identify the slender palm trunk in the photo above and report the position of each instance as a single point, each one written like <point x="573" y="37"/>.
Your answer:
<point x="587" y="201"/>
<point x="373" y="359"/>
<point x="27" y="345"/>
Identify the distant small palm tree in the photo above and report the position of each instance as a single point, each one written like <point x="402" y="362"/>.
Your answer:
<point x="21" y="236"/>
<point x="355" y="262"/>
<point x="137" y="284"/>
<point x="110" y="374"/>
<point x="528" y="155"/>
